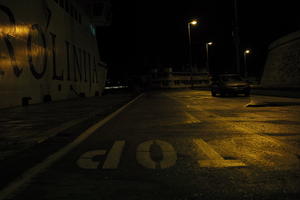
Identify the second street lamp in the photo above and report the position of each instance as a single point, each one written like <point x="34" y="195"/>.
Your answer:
<point x="207" y="44"/>
<point x="193" y="23"/>
<point x="247" y="51"/>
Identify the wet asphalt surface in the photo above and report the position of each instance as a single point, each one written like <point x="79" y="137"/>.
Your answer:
<point x="181" y="145"/>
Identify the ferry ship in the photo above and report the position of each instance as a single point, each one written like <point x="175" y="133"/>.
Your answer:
<point x="49" y="51"/>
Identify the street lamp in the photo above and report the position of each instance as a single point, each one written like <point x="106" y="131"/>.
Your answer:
<point x="193" y="23"/>
<point x="246" y="52"/>
<point x="236" y="37"/>
<point x="207" y="44"/>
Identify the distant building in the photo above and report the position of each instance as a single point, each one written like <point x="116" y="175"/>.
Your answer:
<point x="166" y="78"/>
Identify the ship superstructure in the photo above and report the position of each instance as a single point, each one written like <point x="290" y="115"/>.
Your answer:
<point x="48" y="50"/>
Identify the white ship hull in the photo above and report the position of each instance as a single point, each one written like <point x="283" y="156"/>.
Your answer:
<point x="45" y="54"/>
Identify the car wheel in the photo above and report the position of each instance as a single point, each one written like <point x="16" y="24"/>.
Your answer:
<point x="222" y="94"/>
<point x="247" y="94"/>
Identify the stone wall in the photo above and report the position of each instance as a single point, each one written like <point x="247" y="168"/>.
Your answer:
<point x="282" y="68"/>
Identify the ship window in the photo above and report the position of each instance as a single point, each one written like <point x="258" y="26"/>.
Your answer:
<point x="109" y="16"/>
<point x="98" y="9"/>
<point x="67" y="6"/>
<point x="61" y="3"/>
<point x="93" y="30"/>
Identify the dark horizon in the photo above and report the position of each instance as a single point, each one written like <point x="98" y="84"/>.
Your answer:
<point x="151" y="34"/>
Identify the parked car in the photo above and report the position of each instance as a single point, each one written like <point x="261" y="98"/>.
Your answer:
<point x="229" y="84"/>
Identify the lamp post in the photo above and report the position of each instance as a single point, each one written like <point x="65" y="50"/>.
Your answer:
<point x="236" y="37"/>
<point x="246" y="52"/>
<point x="193" y="23"/>
<point x="207" y="44"/>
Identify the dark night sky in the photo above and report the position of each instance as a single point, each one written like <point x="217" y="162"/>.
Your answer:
<point x="147" y="33"/>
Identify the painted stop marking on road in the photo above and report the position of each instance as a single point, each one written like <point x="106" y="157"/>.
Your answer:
<point x="144" y="156"/>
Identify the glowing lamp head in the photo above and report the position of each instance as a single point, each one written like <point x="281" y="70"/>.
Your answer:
<point x="210" y="43"/>
<point x="247" y="51"/>
<point x="194" y="22"/>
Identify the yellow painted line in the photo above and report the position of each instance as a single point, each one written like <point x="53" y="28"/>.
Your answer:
<point x="114" y="155"/>
<point x="8" y="191"/>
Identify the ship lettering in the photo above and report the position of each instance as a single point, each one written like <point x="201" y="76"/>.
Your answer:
<point x="10" y="48"/>
<point x="55" y="76"/>
<point x="35" y="51"/>
<point x="77" y="63"/>
<point x="38" y="57"/>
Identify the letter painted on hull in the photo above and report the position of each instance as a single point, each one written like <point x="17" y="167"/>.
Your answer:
<point x="37" y="49"/>
<point x="5" y="30"/>
<point x="53" y="50"/>
<point x="77" y="63"/>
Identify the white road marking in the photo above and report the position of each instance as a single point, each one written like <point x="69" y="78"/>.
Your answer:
<point x="34" y="171"/>
<point x="192" y="119"/>
<point x="215" y="159"/>
<point x="86" y="160"/>
<point x="207" y="150"/>
<point x="169" y="154"/>
<point x="114" y="155"/>
<point x="143" y="155"/>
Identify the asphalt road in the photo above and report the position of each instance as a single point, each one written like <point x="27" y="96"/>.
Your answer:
<point x="182" y="145"/>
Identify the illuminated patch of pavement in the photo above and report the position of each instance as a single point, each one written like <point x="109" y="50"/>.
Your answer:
<point x="258" y="151"/>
